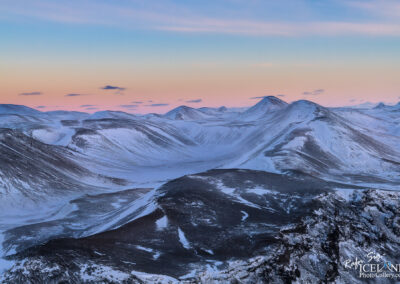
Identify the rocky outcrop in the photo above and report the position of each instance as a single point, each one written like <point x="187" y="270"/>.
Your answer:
<point x="326" y="227"/>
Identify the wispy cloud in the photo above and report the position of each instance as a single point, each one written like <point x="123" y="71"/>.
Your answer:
<point x="185" y="18"/>
<point x="128" y="106"/>
<point x="314" y="93"/>
<point x="88" y="105"/>
<point x="91" y="108"/>
<point x="118" y="90"/>
<point x="31" y="94"/>
<point x="109" y="87"/>
<point x="137" y="102"/>
<point x="157" y="105"/>
<point x="75" y="95"/>
<point x="288" y="29"/>
<point x="41" y="107"/>
<point x="194" y="101"/>
<point x="385" y="8"/>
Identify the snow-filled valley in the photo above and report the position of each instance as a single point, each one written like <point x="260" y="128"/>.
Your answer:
<point x="196" y="194"/>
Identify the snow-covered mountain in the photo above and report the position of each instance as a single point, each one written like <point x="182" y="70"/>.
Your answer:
<point x="263" y="108"/>
<point x="272" y="135"/>
<point x="17" y="109"/>
<point x="106" y="177"/>
<point x="32" y="173"/>
<point x="315" y="139"/>
<point x="213" y="111"/>
<point x="136" y="142"/>
<point x="66" y="115"/>
<point x="186" y="113"/>
<point x="111" y="114"/>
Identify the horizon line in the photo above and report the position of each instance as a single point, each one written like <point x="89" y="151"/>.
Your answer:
<point x="98" y="109"/>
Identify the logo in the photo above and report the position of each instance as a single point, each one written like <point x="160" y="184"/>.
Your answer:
<point x="373" y="265"/>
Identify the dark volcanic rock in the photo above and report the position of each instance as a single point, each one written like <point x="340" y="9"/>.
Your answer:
<point x="247" y="226"/>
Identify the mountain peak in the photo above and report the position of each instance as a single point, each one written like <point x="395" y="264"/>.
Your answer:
<point x="305" y="106"/>
<point x="304" y="109"/>
<point x="266" y="105"/>
<point x="183" y="107"/>
<point x="380" y="105"/>
<point x="271" y="102"/>
<point x="185" y="113"/>
<point x="305" y="103"/>
<point x="179" y="109"/>
<point x="271" y="99"/>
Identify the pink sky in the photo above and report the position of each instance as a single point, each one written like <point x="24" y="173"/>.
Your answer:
<point x="221" y="52"/>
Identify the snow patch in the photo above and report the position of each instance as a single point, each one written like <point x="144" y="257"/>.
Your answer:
<point x="345" y="193"/>
<point x="209" y="251"/>
<point x="102" y="273"/>
<point x="144" y="248"/>
<point x="245" y="215"/>
<point x="154" y="278"/>
<point x="183" y="240"/>
<point x="4" y="264"/>
<point x="261" y="191"/>
<point x="162" y="223"/>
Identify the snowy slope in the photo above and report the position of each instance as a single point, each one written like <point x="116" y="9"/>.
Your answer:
<point x="263" y="108"/>
<point x="314" y="139"/>
<point x="186" y="113"/>
<point x="66" y="115"/>
<point x="17" y="109"/>
<point x="225" y="225"/>
<point x="271" y="135"/>
<point x="128" y="141"/>
<point x="32" y="173"/>
<point x="111" y="114"/>
<point x="51" y="161"/>
<point x="213" y="111"/>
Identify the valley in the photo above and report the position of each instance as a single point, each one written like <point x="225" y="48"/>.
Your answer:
<point x="208" y="194"/>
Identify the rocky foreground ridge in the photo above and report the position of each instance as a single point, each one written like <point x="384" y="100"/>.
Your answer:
<point x="325" y="227"/>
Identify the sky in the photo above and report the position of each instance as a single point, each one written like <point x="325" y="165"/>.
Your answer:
<point x="144" y="56"/>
